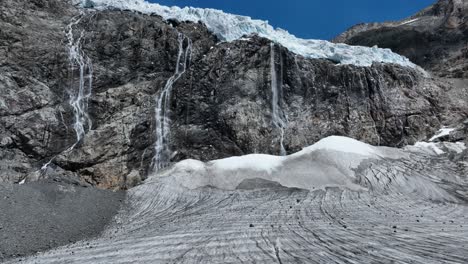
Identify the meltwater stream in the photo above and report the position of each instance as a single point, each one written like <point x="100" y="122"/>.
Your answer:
<point x="163" y="127"/>
<point x="276" y="111"/>
<point x="80" y="85"/>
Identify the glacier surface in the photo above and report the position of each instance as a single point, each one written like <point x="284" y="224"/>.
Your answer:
<point x="349" y="203"/>
<point x="229" y="27"/>
<point x="331" y="162"/>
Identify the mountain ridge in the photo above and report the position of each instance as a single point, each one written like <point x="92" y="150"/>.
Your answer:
<point x="435" y="38"/>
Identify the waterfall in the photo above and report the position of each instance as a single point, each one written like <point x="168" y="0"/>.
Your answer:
<point x="79" y="92"/>
<point x="163" y="129"/>
<point x="80" y="87"/>
<point x="276" y="111"/>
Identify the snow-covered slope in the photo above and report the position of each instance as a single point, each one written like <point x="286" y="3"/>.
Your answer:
<point x="328" y="163"/>
<point x="229" y="27"/>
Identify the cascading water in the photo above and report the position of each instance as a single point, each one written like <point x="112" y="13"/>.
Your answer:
<point x="80" y="91"/>
<point x="276" y="112"/>
<point x="80" y="87"/>
<point x="162" y="151"/>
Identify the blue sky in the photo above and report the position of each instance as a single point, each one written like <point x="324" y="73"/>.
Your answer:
<point x="318" y="19"/>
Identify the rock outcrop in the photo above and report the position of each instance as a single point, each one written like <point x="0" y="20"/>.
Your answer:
<point x="435" y="38"/>
<point x="219" y="107"/>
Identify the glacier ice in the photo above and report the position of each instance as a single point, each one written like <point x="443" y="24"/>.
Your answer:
<point x="343" y="144"/>
<point x="398" y="206"/>
<point x="229" y="27"/>
<point x="438" y="148"/>
<point x="328" y="163"/>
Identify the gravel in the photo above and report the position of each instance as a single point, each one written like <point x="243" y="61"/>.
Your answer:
<point x="39" y="216"/>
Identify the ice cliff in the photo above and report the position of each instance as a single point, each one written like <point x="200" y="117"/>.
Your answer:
<point x="229" y="27"/>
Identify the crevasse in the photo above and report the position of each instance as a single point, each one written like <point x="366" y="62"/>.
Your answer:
<point x="229" y="27"/>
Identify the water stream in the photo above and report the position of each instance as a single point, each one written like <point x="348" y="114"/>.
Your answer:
<point x="163" y="126"/>
<point x="276" y="111"/>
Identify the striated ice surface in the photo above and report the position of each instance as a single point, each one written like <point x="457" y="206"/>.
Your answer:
<point x="229" y="27"/>
<point x="395" y="206"/>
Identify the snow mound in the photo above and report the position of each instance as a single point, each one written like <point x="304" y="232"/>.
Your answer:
<point x="229" y="27"/>
<point x="257" y="162"/>
<point x="341" y="144"/>
<point x="328" y="163"/>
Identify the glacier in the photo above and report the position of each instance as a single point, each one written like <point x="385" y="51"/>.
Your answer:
<point x="337" y="201"/>
<point x="330" y="163"/>
<point x="230" y="27"/>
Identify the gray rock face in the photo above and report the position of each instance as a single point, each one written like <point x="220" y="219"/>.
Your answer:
<point x="436" y="38"/>
<point x="221" y="106"/>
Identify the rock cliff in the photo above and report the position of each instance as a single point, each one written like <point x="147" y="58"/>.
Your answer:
<point x="60" y="64"/>
<point x="435" y="38"/>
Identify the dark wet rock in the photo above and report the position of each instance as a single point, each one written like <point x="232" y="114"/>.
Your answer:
<point x="220" y="107"/>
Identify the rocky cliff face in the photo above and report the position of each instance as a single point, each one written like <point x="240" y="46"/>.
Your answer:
<point x="436" y="38"/>
<point x="220" y="106"/>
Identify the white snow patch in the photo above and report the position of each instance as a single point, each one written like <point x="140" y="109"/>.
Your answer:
<point x="341" y="144"/>
<point x="408" y="22"/>
<point x="457" y="147"/>
<point x="257" y="162"/>
<point x="328" y="163"/>
<point x="229" y="27"/>
<point x="442" y="132"/>
<point x="190" y="164"/>
<point x="432" y="147"/>
<point x="22" y="182"/>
